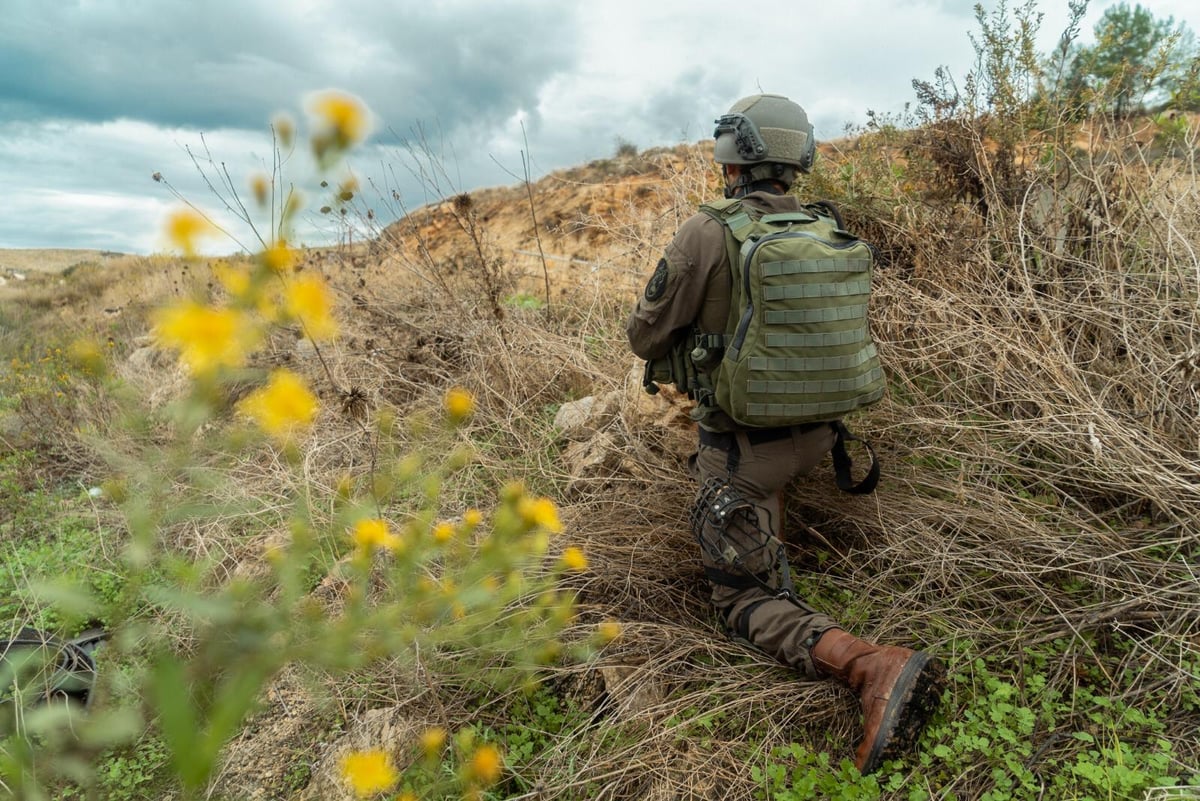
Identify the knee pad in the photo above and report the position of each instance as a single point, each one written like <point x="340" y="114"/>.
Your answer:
<point x="717" y="507"/>
<point x="727" y="526"/>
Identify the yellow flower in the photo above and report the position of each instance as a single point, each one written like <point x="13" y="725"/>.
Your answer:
<point x="308" y="301"/>
<point x="574" y="560"/>
<point x="433" y="741"/>
<point x="342" y="113"/>
<point x="260" y="185"/>
<point x="86" y="354"/>
<point x="236" y="280"/>
<point x="486" y="764"/>
<point x="540" y="512"/>
<point x="373" y="534"/>
<point x="206" y="338"/>
<point x="472" y="518"/>
<point x="285" y="129"/>
<point x="342" y="120"/>
<point x="279" y="258"/>
<point x="460" y="404"/>
<point x="284" y="406"/>
<point x="608" y="630"/>
<point x="368" y="772"/>
<point x="348" y="188"/>
<point x="443" y="531"/>
<point x="274" y="554"/>
<point x="185" y="228"/>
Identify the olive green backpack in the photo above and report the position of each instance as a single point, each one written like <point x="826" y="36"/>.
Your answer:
<point x="797" y="348"/>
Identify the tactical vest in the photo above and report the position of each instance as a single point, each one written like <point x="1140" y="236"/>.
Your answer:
<point x="796" y="348"/>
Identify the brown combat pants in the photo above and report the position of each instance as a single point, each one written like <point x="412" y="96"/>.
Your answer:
<point x="761" y="470"/>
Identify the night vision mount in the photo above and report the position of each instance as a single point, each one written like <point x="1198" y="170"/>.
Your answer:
<point x="748" y="140"/>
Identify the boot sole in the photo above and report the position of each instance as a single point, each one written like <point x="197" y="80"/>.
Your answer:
<point x="914" y="699"/>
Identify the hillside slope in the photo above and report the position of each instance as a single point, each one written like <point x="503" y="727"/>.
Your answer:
<point x="1036" y="524"/>
<point x="596" y="222"/>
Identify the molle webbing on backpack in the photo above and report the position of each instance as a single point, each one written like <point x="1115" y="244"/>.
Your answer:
<point x="797" y="344"/>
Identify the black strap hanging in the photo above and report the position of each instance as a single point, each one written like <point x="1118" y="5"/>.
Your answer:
<point x="842" y="462"/>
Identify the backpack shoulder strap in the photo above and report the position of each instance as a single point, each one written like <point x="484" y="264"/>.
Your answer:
<point x="720" y="208"/>
<point x="826" y="209"/>
<point x="730" y="212"/>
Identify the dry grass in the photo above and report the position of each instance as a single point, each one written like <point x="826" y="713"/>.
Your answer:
<point x="1039" y="447"/>
<point x="48" y="260"/>
<point x="1039" y="444"/>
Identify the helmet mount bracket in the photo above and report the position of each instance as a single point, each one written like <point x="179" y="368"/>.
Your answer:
<point x="763" y="129"/>
<point x="750" y="144"/>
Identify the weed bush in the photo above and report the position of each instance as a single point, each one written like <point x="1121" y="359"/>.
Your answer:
<point x="1036" y="525"/>
<point x="469" y="593"/>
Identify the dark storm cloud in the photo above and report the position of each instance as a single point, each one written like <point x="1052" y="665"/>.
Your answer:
<point x="232" y="63"/>
<point x="101" y="61"/>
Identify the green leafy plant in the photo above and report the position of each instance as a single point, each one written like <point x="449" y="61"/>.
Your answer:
<point x="411" y="580"/>
<point x="796" y="773"/>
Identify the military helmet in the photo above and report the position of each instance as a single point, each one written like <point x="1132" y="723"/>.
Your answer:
<point x="765" y="128"/>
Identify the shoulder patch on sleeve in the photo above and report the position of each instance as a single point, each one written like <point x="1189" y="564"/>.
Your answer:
<point x="658" y="282"/>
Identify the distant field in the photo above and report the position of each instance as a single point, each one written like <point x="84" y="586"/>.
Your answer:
<point x="48" y="260"/>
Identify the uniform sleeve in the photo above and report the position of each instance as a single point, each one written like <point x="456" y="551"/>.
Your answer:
<point x="673" y="296"/>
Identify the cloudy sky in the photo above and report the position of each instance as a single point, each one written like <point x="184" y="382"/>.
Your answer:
<point x="98" y="95"/>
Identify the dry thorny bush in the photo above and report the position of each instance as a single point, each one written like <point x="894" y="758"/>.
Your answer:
<point x="1039" y="447"/>
<point x="1042" y="427"/>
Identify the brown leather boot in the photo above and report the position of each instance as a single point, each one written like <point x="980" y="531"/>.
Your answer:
<point x="899" y="690"/>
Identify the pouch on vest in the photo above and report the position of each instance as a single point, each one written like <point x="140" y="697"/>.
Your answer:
<point x="677" y="368"/>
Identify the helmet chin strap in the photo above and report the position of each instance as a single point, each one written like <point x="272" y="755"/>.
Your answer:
<point x="774" y="178"/>
<point x="741" y="187"/>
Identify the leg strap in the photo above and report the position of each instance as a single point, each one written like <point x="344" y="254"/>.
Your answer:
<point x="742" y="627"/>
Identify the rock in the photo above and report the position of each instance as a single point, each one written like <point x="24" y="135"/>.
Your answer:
<point x="581" y="419"/>
<point x="147" y="358"/>
<point x="573" y="417"/>
<point x="15" y="434"/>
<point x="157" y="373"/>
<point x="388" y="729"/>
<point x="631" y="690"/>
<point x="597" y="457"/>
<point x="668" y="408"/>
<point x="622" y="432"/>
